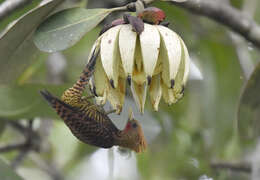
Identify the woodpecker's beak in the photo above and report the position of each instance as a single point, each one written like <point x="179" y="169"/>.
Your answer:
<point x="130" y="115"/>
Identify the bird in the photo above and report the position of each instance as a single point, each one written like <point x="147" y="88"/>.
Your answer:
<point x="89" y="122"/>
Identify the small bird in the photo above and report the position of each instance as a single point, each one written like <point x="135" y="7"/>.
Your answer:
<point x="89" y="122"/>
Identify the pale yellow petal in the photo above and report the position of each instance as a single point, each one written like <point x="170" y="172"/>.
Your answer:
<point x="139" y="94"/>
<point x="168" y="94"/>
<point x="155" y="91"/>
<point x="100" y="78"/>
<point x="170" y="52"/>
<point x="158" y="68"/>
<point x="150" y="45"/>
<point x="110" y="56"/>
<point x="182" y="74"/>
<point x="116" y="96"/>
<point x="127" y="43"/>
<point x="96" y="46"/>
<point x="178" y="86"/>
<point x="187" y="62"/>
<point x="138" y="73"/>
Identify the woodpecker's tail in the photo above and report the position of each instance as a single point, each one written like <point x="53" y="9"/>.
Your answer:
<point x="62" y="109"/>
<point x="74" y="94"/>
<point x="52" y="100"/>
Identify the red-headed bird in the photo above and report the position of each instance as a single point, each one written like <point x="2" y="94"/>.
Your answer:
<point x="89" y="122"/>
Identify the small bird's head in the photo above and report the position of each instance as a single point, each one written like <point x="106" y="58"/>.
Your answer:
<point x="133" y="135"/>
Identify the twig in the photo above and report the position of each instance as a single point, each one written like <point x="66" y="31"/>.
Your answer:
<point x="12" y="147"/>
<point x="232" y="166"/>
<point x="226" y="15"/>
<point x="19" y="127"/>
<point x="19" y="158"/>
<point x="49" y="168"/>
<point x="223" y="14"/>
<point x="26" y="131"/>
<point x="32" y="142"/>
<point x="8" y="6"/>
<point x="246" y="64"/>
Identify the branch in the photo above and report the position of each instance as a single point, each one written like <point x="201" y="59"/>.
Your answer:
<point x="32" y="139"/>
<point x="12" y="147"/>
<point x="246" y="64"/>
<point x="19" y="159"/>
<point x="226" y="15"/>
<point x="232" y="166"/>
<point x="50" y="168"/>
<point x="8" y="6"/>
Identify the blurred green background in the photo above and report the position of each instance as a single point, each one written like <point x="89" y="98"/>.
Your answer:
<point x="186" y="139"/>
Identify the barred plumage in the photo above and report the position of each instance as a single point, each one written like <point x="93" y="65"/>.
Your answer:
<point x="88" y="122"/>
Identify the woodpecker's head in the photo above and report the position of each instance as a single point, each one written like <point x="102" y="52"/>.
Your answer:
<point x="133" y="135"/>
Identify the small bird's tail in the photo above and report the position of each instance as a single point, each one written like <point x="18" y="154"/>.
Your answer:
<point x="49" y="97"/>
<point x="62" y="109"/>
<point x="52" y="100"/>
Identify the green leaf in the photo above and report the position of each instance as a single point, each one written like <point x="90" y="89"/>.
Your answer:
<point x="26" y="102"/>
<point x="2" y="126"/>
<point x="65" y="28"/>
<point x="6" y="173"/>
<point x="17" y="50"/>
<point x="249" y="107"/>
<point x="17" y="13"/>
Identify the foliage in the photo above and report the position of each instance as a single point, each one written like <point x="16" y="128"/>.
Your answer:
<point x="199" y="129"/>
<point x="6" y="173"/>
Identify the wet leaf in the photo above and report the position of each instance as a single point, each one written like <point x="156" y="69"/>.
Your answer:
<point x="17" y="50"/>
<point x="25" y="101"/>
<point x="17" y="13"/>
<point x="6" y="173"/>
<point x="67" y="27"/>
<point x="249" y="107"/>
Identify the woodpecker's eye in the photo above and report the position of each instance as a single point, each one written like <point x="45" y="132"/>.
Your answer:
<point x="134" y="125"/>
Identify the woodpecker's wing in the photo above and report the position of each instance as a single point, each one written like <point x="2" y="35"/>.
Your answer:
<point x="91" y="127"/>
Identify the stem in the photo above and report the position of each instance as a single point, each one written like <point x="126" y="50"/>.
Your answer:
<point x="226" y="15"/>
<point x="12" y="147"/>
<point x="232" y="166"/>
<point x="122" y="8"/>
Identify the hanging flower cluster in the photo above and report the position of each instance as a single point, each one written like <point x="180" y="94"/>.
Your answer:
<point x="153" y="59"/>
